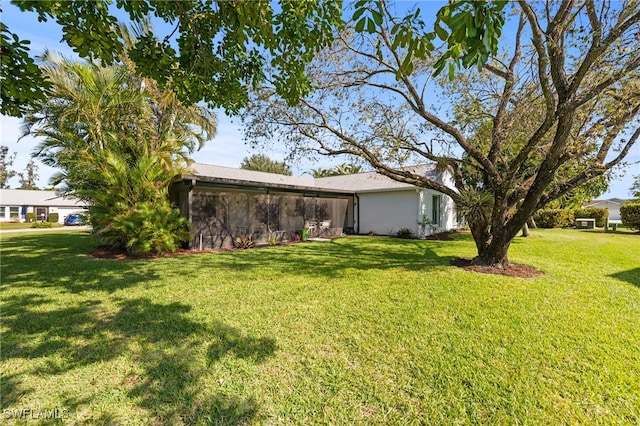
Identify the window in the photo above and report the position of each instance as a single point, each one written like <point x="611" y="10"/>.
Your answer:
<point x="3" y="212"/>
<point x="14" y="212"/>
<point x="436" y="202"/>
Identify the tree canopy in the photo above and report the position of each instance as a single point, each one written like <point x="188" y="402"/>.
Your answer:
<point x="555" y="108"/>
<point x="262" y="163"/>
<point x="215" y="51"/>
<point x="212" y="51"/>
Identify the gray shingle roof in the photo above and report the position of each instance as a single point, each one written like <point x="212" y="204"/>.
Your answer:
<point x="24" y="197"/>
<point x="373" y="181"/>
<point x="361" y="182"/>
<point x="211" y="171"/>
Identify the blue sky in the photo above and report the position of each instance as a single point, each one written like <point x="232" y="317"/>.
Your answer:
<point x="227" y="148"/>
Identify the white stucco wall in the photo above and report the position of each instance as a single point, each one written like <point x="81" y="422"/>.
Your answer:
<point x="386" y="212"/>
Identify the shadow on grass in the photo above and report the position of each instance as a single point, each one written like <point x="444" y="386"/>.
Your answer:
<point x="631" y="276"/>
<point x="63" y="260"/>
<point x="168" y="353"/>
<point x="329" y="259"/>
<point x="48" y="334"/>
<point x="170" y="387"/>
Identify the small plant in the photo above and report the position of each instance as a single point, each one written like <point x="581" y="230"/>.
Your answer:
<point x="303" y="234"/>
<point x="295" y="238"/>
<point x="42" y="225"/>
<point x="371" y="234"/>
<point x="404" y="233"/>
<point x="273" y="240"/>
<point x="425" y="223"/>
<point x="244" y="243"/>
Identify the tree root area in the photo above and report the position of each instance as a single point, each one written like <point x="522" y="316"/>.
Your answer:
<point x="513" y="270"/>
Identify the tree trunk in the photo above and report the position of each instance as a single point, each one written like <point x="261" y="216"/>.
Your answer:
<point x="525" y="230"/>
<point x="495" y="254"/>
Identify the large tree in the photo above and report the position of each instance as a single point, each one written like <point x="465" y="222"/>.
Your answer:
<point x="29" y="177"/>
<point x="569" y="69"/>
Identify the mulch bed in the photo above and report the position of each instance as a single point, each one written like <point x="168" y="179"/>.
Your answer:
<point x="111" y="253"/>
<point x="514" y="270"/>
<point x="441" y="236"/>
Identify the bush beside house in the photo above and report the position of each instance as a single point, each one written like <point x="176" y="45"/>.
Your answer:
<point x="630" y="214"/>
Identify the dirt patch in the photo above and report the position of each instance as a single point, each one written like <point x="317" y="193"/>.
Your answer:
<point x="514" y="270"/>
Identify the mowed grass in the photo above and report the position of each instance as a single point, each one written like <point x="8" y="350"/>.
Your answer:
<point x="355" y="331"/>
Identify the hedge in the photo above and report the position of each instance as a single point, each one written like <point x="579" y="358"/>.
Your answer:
<point x="599" y="214"/>
<point x="553" y="218"/>
<point x="630" y="214"/>
<point x="30" y="217"/>
<point x="53" y="217"/>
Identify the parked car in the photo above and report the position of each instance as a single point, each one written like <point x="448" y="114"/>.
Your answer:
<point x="75" y="219"/>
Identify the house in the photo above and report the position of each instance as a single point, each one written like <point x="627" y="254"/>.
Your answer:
<point x="16" y="203"/>
<point x="612" y="204"/>
<point x="223" y="204"/>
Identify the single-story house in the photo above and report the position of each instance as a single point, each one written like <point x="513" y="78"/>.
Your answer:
<point x="612" y="204"/>
<point x="224" y="203"/>
<point x="16" y="203"/>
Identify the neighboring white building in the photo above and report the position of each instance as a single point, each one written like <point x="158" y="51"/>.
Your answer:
<point x="612" y="204"/>
<point x="16" y="203"/>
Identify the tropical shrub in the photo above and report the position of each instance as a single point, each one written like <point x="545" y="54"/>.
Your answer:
<point x="118" y="141"/>
<point x="148" y="227"/>
<point x="630" y="214"/>
<point x="244" y="242"/>
<point x="599" y="214"/>
<point x="42" y="225"/>
<point x="404" y="233"/>
<point x="554" y="218"/>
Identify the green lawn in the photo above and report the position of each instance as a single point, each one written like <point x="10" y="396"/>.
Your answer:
<point x="355" y="331"/>
<point x="6" y="226"/>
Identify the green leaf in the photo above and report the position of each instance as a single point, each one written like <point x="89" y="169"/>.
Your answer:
<point x="371" y="26"/>
<point x="442" y="33"/>
<point x="377" y="17"/>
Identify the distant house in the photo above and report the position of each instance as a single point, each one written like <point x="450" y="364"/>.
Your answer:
<point x="16" y="203"/>
<point x="223" y="204"/>
<point x="612" y="204"/>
